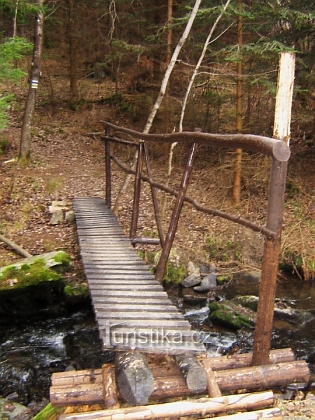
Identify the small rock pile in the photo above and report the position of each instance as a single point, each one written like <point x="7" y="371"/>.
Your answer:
<point x="201" y="279"/>
<point x="61" y="212"/>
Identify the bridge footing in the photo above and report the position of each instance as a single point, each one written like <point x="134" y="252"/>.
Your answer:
<point x="231" y="374"/>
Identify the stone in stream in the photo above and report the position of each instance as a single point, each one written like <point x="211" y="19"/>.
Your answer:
<point x="208" y="283"/>
<point x="191" y="280"/>
<point x="12" y="410"/>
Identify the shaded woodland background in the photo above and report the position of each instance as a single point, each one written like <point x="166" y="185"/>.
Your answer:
<point x="106" y="59"/>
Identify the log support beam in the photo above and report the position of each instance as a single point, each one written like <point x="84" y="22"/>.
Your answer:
<point x="140" y="379"/>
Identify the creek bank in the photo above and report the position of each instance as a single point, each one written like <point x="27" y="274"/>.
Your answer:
<point x="46" y="325"/>
<point x="234" y="304"/>
<point x="226" y="314"/>
<point x="36" y="286"/>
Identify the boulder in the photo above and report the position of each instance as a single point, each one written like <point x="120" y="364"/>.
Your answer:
<point x="12" y="410"/>
<point x="59" y="261"/>
<point x="208" y="283"/>
<point x="192" y="280"/>
<point x="232" y="315"/>
<point x="193" y="269"/>
<point x="56" y="218"/>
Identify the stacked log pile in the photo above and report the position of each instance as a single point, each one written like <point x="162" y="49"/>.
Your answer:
<point x="139" y="380"/>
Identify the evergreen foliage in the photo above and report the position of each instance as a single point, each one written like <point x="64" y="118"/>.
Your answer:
<point x="11" y="49"/>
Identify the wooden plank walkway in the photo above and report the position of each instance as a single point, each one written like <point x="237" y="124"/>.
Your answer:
<point x="132" y="309"/>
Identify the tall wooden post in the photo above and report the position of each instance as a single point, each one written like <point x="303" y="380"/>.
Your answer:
<point x="267" y="291"/>
<point x="108" y="170"/>
<point x="137" y="189"/>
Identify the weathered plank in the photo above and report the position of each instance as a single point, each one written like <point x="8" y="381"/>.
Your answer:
<point x="132" y="309"/>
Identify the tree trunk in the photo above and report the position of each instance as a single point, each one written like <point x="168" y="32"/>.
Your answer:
<point x="15" y="18"/>
<point x="190" y="85"/>
<point x="161" y="94"/>
<point x="72" y="52"/>
<point x="25" y="146"/>
<point x="239" y="110"/>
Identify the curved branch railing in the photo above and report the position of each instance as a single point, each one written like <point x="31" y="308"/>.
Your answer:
<point x="268" y="146"/>
<point x="277" y="150"/>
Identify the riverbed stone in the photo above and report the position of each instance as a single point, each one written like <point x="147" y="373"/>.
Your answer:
<point x="10" y="410"/>
<point x="208" y="283"/>
<point x="232" y="315"/>
<point x="192" y="280"/>
<point x="246" y="301"/>
<point x="293" y="316"/>
<point x="192" y="268"/>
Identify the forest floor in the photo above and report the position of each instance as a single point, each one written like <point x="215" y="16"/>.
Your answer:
<point x="68" y="161"/>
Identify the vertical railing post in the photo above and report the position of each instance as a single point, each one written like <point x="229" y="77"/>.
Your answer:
<point x="137" y="189"/>
<point x="175" y="216"/>
<point x="108" y="172"/>
<point x="154" y="199"/>
<point x="267" y="288"/>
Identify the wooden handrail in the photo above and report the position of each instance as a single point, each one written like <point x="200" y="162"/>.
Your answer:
<point x="277" y="149"/>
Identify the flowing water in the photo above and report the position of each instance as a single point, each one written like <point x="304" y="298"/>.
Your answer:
<point x="30" y="351"/>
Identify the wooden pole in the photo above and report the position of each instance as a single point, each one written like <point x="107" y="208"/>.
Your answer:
<point x="234" y="361"/>
<point x="267" y="290"/>
<point x="181" y="408"/>
<point x="108" y="170"/>
<point x="137" y="190"/>
<point x="174" y="385"/>
<point x="110" y="391"/>
<point x="175" y="216"/>
<point x="154" y="197"/>
<point x="269" y="413"/>
<point x="212" y="385"/>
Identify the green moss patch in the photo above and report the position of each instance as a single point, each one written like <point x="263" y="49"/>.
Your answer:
<point x="13" y="277"/>
<point x="175" y="273"/>
<point x="248" y="301"/>
<point x="230" y="316"/>
<point x="74" y="290"/>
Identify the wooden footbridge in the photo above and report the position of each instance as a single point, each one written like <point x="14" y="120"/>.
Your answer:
<point x="132" y="309"/>
<point x="158" y="356"/>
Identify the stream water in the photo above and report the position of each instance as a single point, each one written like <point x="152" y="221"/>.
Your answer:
<point x="30" y="351"/>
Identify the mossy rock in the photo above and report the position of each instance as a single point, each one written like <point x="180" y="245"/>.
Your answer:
<point x="223" y="279"/>
<point x="34" y="270"/>
<point x="76" y="293"/>
<point x="27" y="275"/>
<point x="247" y="301"/>
<point x="230" y="315"/>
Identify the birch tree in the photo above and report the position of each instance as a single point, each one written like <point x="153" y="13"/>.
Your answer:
<point x="189" y="88"/>
<point x="162" y="92"/>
